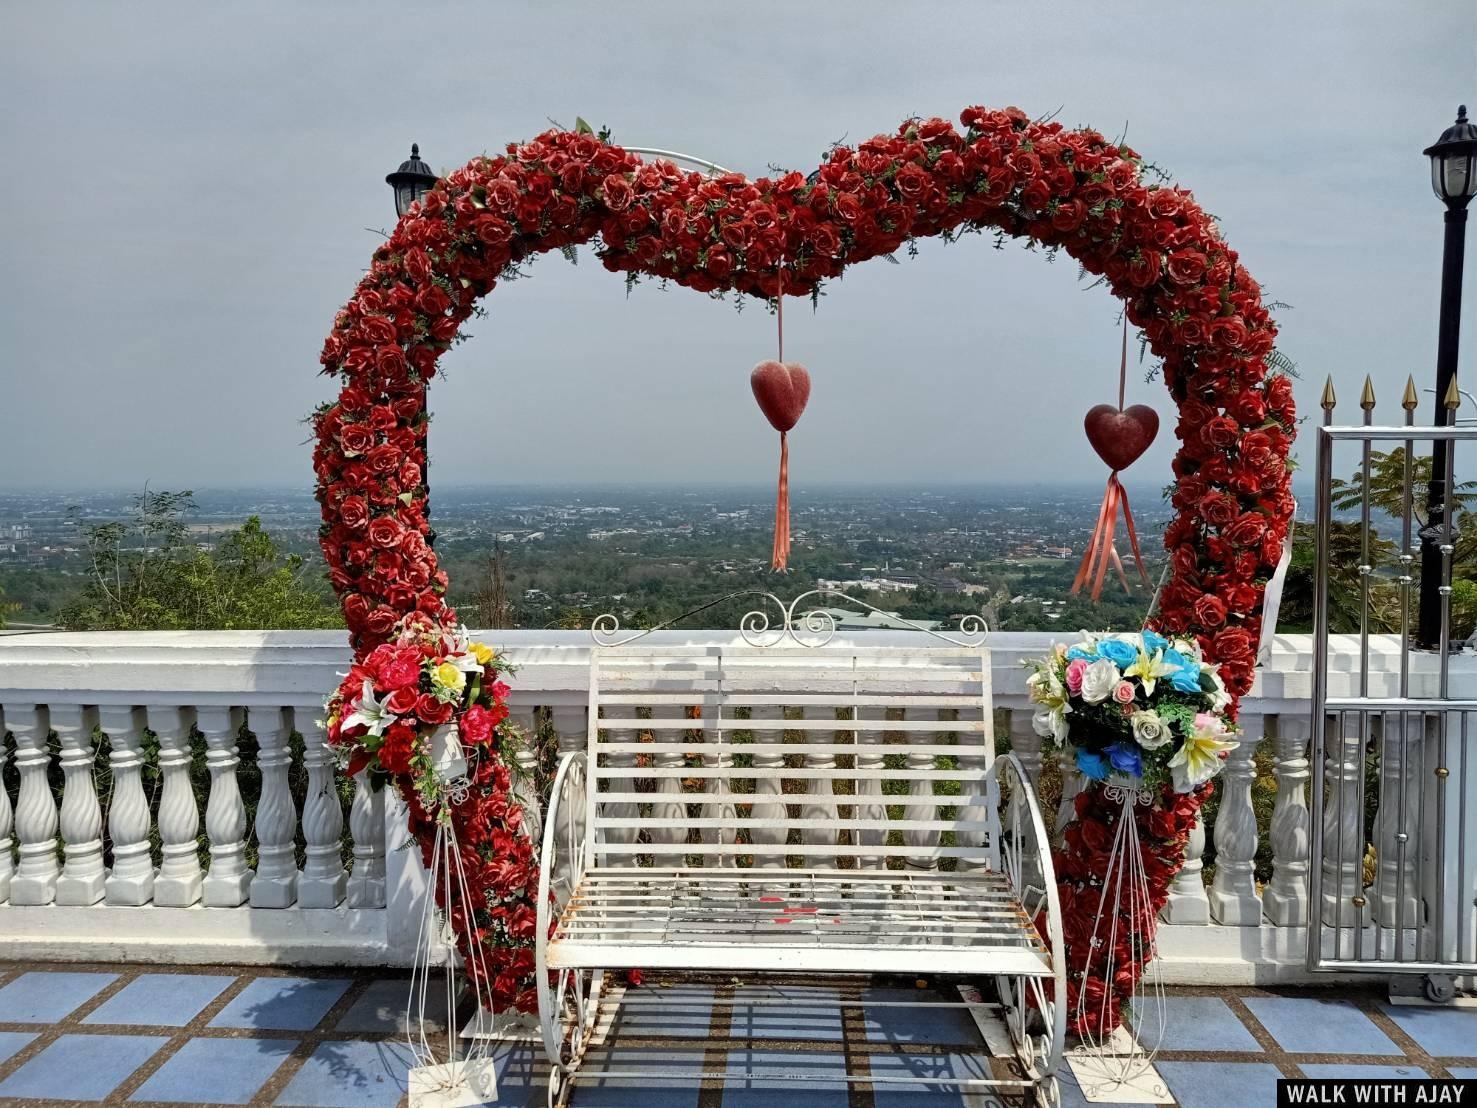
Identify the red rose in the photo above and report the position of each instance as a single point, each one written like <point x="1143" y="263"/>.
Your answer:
<point x="1218" y="509"/>
<point x="356" y="608"/>
<point x="1256" y="449"/>
<point x="433" y="711"/>
<point x="1210" y="611"/>
<point x="396" y="749"/>
<point x="354" y="512"/>
<point x="1036" y="195"/>
<point x="381" y="620"/>
<point x="618" y="193"/>
<point x="1241" y="599"/>
<point x="1249" y="408"/>
<point x="355" y="438"/>
<point x="911" y="180"/>
<point x="1233" y="646"/>
<point x="403" y="671"/>
<point x="491" y="230"/>
<point x="385" y="532"/>
<point x="1186" y="267"/>
<point x="402" y="702"/>
<point x="383" y="459"/>
<point x="1247" y="529"/>
<point x="1143" y="269"/>
<point x="1219" y="433"/>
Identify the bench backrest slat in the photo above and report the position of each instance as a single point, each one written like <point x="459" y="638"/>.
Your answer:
<point x="833" y="757"/>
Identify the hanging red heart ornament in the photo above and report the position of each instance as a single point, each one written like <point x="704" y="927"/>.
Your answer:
<point x="782" y="388"/>
<point x="1120" y="437"/>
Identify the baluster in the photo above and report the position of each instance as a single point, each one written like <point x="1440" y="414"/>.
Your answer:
<point x="869" y="765"/>
<point x="1343" y="851"/>
<point x="915" y="838"/>
<point x="179" y="881"/>
<point x="323" y="879"/>
<point x="1072" y="782"/>
<point x="980" y="745"/>
<point x="35" y="810"/>
<point x="622" y="809"/>
<point x="719" y="756"/>
<point x="1286" y="894"/>
<point x="767" y="787"/>
<point x="1233" y="895"/>
<point x="7" y="862"/>
<point x="819" y="786"/>
<point x="1187" y="900"/>
<point x="228" y="881"/>
<point x="571" y="722"/>
<point x="275" y="884"/>
<point x="667" y="802"/>
<point x="131" y="881"/>
<point x="366" y="887"/>
<point x="525" y="781"/>
<point x="1397" y="890"/>
<point x="1025" y="744"/>
<point x="83" y="875"/>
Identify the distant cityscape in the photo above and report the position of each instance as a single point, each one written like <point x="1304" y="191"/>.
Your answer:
<point x="559" y="555"/>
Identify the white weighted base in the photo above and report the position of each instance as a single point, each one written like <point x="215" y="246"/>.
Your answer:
<point x="453" y="1084"/>
<point x="505" y="1027"/>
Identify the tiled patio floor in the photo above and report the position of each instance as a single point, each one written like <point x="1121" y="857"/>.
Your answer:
<point x="145" y="1036"/>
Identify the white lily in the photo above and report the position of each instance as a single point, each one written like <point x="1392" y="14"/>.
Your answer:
<point x="369" y="713"/>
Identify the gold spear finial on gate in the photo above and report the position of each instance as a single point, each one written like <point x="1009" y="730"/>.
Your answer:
<point x="1366" y="398"/>
<point x="1412" y="399"/>
<point x="1453" y="398"/>
<point x="1329" y="400"/>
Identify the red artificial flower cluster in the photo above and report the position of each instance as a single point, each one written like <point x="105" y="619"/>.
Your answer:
<point x="1099" y="979"/>
<point x="1199" y="310"/>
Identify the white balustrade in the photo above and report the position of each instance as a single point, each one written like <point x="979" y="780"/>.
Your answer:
<point x="277" y="679"/>
<point x="667" y="802"/>
<point x="1072" y="783"/>
<point x="1233" y="894"/>
<point x="571" y="724"/>
<point x="323" y="879"/>
<point x="1286" y="895"/>
<point x="81" y="823"/>
<point x="35" y="809"/>
<point x="228" y="881"/>
<point x="525" y="781"/>
<point x="919" y="787"/>
<point x="275" y="883"/>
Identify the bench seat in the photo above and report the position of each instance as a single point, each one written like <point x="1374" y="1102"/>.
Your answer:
<point x="817" y="921"/>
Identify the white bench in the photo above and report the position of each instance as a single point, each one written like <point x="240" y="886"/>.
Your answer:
<point x="731" y="814"/>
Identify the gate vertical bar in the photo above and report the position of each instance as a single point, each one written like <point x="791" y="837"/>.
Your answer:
<point x="1322" y="517"/>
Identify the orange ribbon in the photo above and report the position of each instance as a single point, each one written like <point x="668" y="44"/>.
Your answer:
<point x="779" y="557"/>
<point x="1100" y="549"/>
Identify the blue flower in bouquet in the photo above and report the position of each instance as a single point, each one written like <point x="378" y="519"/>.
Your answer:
<point x="1173" y="657"/>
<point x="1154" y="641"/>
<point x="1094" y="765"/>
<point x="1125" y="758"/>
<point x="1086" y="654"/>
<point x="1186" y="679"/>
<point x="1120" y="653"/>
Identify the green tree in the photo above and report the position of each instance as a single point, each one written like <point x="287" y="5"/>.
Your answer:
<point x="1387" y="485"/>
<point x="147" y="573"/>
<point x="5" y="606"/>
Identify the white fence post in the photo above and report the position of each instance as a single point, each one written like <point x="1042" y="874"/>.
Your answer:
<point x="367" y="828"/>
<point x="131" y="881"/>
<point x="35" y="808"/>
<point x="1286" y="895"/>
<point x="275" y="884"/>
<point x="1233" y="895"/>
<point x="228" y="881"/>
<point x="1344" y="904"/>
<point x="179" y="881"/>
<point x="323" y="879"/>
<point x="1397" y="891"/>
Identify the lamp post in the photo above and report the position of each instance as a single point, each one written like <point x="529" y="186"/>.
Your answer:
<point x="1454" y="180"/>
<point x="411" y="181"/>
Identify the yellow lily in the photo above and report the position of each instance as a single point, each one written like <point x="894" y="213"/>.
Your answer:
<point x="1199" y="759"/>
<point x="1149" y="668"/>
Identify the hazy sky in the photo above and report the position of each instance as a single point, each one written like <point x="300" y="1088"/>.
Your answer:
<point x="186" y="191"/>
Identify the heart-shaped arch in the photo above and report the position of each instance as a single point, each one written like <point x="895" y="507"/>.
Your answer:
<point x="1156" y="249"/>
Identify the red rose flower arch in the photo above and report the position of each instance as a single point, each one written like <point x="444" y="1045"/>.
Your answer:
<point x="1198" y="309"/>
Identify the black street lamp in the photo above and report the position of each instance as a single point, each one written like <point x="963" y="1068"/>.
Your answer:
<point x="1454" y="179"/>
<point x="411" y="181"/>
